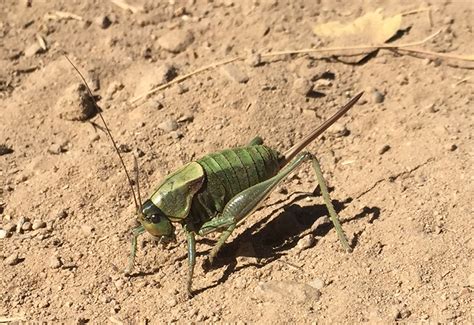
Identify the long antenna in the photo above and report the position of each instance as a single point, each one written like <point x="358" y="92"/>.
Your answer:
<point x="137" y="206"/>
<point x="137" y="181"/>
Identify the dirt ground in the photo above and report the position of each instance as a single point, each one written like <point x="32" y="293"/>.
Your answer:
<point x="399" y="164"/>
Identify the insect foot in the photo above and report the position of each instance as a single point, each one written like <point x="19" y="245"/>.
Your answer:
<point x="208" y="264"/>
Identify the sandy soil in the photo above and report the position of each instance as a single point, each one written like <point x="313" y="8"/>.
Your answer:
<point x="399" y="164"/>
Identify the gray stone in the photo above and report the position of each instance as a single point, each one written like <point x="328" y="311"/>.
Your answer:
<point x="87" y="230"/>
<point x="254" y="60"/>
<point x="103" y="21"/>
<point x="317" y="283"/>
<point x="305" y="243"/>
<point x="76" y="104"/>
<point x="176" y="41"/>
<point x="233" y="73"/>
<point x="54" y="149"/>
<point x="55" y="262"/>
<point x="37" y="224"/>
<point x="154" y="76"/>
<point x="168" y="125"/>
<point x="12" y="259"/>
<point x="338" y="130"/>
<point x="378" y="97"/>
<point x="9" y="227"/>
<point x="302" y="86"/>
<point x="33" y="49"/>
<point x="26" y="226"/>
<point x="19" y="224"/>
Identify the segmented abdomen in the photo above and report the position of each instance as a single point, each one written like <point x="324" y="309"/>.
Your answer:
<point x="229" y="172"/>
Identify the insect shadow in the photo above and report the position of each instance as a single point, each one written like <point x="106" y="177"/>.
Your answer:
<point x="272" y="236"/>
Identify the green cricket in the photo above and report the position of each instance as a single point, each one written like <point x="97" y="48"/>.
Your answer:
<point x="219" y="190"/>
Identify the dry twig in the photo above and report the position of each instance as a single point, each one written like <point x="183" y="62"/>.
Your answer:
<point x="406" y="47"/>
<point x="58" y="15"/>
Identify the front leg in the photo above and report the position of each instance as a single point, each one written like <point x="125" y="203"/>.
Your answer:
<point x="137" y="231"/>
<point x="191" y="259"/>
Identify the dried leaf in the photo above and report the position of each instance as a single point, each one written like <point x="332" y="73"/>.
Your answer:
<point x="371" y="28"/>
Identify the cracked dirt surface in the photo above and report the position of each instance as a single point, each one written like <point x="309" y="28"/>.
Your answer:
<point x="399" y="166"/>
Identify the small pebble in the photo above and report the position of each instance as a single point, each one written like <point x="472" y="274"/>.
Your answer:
<point x="176" y="41"/>
<point x="179" y="89"/>
<point x="5" y="150"/>
<point x="155" y="104"/>
<point x="233" y="73"/>
<point x="432" y="108"/>
<point x="43" y="304"/>
<point x="3" y="233"/>
<point x="378" y="97"/>
<point x="323" y="83"/>
<point x="139" y="153"/>
<point x="33" y="49"/>
<point x="186" y="118"/>
<point x="19" y="224"/>
<point x="402" y="314"/>
<point x="402" y="80"/>
<point x="9" y="227"/>
<point x="55" y="262"/>
<point x="54" y="149"/>
<point x="37" y="224"/>
<point x="302" y="86"/>
<point x="61" y="214"/>
<point x="119" y="283"/>
<point x="176" y="135"/>
<point x="305" y="242"/>
<point x="168" y="125"/>
<point x="254" y="60"/>
<point x="103" y="21"/>
<point x="75" y="104"/>
<point x="451" y="147"/>
<point x="12" y="259"/>
<point x="339" y="130"/>
<point x="384" y="149"/>
<point x="93" y="80"/>
<point x="26" y="226"/>
<point x="87" y="230"/>
<point x="448" y="20"/>
<point x="172" y="302"/>
<point x="317" y="283"/>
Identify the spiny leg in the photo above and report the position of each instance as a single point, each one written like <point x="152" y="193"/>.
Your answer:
<point x="327" y="200"/>
<point x="137" y="231"/>
<point x="220" y="242"/>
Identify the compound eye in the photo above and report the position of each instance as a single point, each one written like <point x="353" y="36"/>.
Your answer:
<point x="154" y="218"/>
